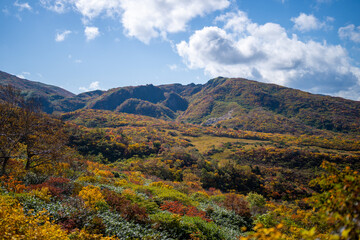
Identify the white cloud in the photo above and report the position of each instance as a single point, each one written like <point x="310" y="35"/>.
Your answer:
<point x="22" y="6"/>
<point x="58" y="6"/>
<point x="351" y="32"/>
<point x="61" y="36"/>
<point x="147" y="19"/>
<point x="93" y="86"/>
<point x="23" y="75"/>
<point x="305" y="23"/>
<point x="266" y="53"/>
<point x="78" y="61"/>
<point x="143" y="19"/>
<point x="173" y="67"/>
<point x="93" y="8"/>
<point x="91" y="33"/>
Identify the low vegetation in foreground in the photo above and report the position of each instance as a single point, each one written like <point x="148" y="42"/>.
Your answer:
<point x="97" y="174"/>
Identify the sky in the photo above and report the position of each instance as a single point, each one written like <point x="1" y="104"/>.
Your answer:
<point x="83" y="45"/>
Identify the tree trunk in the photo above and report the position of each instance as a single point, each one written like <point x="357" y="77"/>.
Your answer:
<point x="28" y="160"/>
<point x="3" y="167"/>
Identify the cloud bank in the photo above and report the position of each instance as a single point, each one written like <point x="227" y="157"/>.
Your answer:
<point x="142" y="19"/>
<point x="242" y="48"/>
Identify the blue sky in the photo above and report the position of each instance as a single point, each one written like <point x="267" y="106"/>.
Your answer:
<point x="81" y="45"/>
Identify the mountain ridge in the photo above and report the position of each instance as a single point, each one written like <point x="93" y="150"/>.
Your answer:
<point x="254" y="106"/>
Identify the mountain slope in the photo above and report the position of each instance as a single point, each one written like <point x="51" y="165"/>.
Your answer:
<point x="31" y="86"/>
<point x="47" y="95"/>
<point x="229" y="102"/>
<point x="253" y="101"/>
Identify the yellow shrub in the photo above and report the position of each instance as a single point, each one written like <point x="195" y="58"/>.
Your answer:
<point x="92" y="196"/>
<point x="161" y="185"/>
<point x="42" y="193"/>
<point x="128" y="192"/>
<point x="60" y="169"/>
<point x="89" y="179"/>
<point x="120" y="182"/>
<point x="136" y="177"/>
<point x="104" y="173"/>
<point x="83" y="235"/>
<point x="14" y="224"/>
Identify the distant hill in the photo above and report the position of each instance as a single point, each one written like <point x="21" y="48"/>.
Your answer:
<point x="44" y="93"/>
<point x="27" y="85"/>
<point x="224" y="102"/>
<point x="155" y="101"/>
<point x="250" y="105"/>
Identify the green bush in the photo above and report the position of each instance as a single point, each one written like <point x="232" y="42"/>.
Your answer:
<point x="172" y="224"/>
<point x="267" y="220"/>
<point x="160" y="195"/>
<point x="119" y="227"/>
<point x="186" y="227"/>
<point x="224" y="217"/>
<point x="208" y="230"/>
<point x="257" y="202"/>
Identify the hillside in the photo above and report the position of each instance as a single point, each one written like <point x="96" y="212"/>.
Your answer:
<point x="45" y="94"/>
<point x="101" y="174"/>
<point x="250" y="105"/>
<point x="224" y="102"/>
<point x="31" y="86"/>
<point x="237" y="103"/>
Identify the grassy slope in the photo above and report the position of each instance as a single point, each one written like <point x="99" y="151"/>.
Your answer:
<point x="285" y="109"/>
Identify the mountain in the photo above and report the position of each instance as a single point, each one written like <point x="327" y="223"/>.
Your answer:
<point x="142" y="107"/>
<point x="45" y="94"/>
<point x="224" y="102"/>
<point x="251" y="105"/>
<point x="31" y="86"/>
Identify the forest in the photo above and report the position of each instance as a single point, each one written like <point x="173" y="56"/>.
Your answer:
<point x="102" y="174"/>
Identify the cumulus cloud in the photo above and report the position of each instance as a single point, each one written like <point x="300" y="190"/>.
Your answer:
<point x="305" y="23"/>
<point x="91" y="33"/>
<point x="143" y="19"/>
<point x="22" y="6"/>
<point x="62" y="35"/>
<point x="93" y="86"/>
<point x="350" y="32"/>
<point x="147" y="19"/>
<point x="266" y="53"/>
<point x="58" y="6"/>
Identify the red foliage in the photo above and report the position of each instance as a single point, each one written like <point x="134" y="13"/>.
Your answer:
<point x="237" y="204"/>
<point x="127" y="209"/>
<point x="178" y="208"/>
<point x="10" y="183"/>
<point x="68" y="224"/>
<point x="57" y="186"/>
